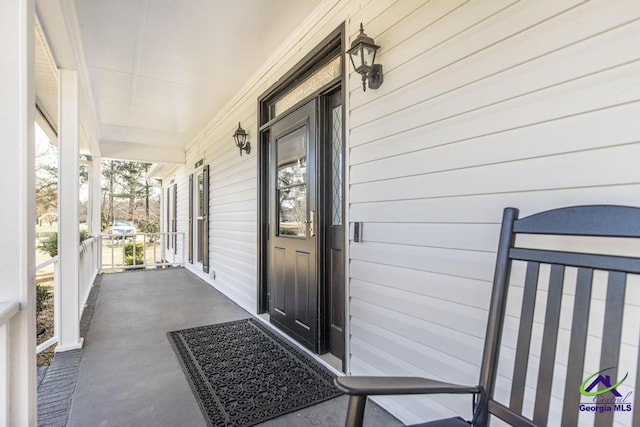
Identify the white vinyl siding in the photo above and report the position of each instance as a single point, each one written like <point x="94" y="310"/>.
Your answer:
<point x="485" y="104"/>
<point x="232" y="207"/>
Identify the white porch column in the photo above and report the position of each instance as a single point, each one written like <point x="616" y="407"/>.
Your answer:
<point x="95" y="196"/>
<point x="17" y="217"/>
<point x="68" y="217"/>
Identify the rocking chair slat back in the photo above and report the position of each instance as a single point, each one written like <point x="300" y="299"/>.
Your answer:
<point x="592" y="221"/>
<point x="578" y="344"/>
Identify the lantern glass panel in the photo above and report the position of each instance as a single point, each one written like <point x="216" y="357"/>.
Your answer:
<point x="357" y="58"/>
<point x="240" y="139"/>
<point x="354" y="55"/>
<point x="368" y="55"/>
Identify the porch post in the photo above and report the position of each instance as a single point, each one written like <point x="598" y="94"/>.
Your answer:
<point x="95" y="193"/>
<point x="163" y="223"/>
<point x="17" y="216"/>
<point x="68" y="205"/>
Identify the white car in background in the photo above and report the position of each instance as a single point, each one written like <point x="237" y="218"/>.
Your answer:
<point x="125" y="228"/>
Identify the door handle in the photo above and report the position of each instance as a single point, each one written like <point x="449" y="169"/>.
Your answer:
<point x="312" y="223"/>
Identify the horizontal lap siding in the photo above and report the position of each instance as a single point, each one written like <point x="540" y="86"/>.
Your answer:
<point x="232" y="206"/>
<point x="485" y="104"/>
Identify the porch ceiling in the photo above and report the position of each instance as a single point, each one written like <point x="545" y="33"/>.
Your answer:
<point x="155" y="71"/>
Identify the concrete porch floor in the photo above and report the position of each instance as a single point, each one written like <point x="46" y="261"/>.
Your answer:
<point x="128" y="372"/>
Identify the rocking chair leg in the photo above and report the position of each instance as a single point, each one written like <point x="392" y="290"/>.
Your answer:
<point x="355" y="411"/>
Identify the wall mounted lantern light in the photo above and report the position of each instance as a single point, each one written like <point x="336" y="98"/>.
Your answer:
<point x="240" y="138"/>
<point x="363" y="55"/>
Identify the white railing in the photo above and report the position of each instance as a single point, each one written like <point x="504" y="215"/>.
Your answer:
<point x="87" y="270"/>
<point x="110" y="252"/>
<point x="56" y="303"/>
<point x="7" y="311"/>
<point x="139" y="251"/>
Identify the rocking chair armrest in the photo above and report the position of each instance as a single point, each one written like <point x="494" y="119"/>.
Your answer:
<point x="365" y="386"/>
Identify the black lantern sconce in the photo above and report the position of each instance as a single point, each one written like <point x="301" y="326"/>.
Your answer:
<point x="363" y="55"/>
<point x="240" y="138"/>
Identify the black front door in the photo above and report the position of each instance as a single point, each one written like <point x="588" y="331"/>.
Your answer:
<point x="293" y="203"/>
<point x="302" y="226"/>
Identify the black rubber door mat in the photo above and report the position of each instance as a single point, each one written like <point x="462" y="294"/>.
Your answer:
<point x="243" y="374"/>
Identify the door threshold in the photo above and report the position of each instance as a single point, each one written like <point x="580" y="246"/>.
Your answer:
<point x="332" y="361"/>
<point x="328" y="360"/>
